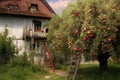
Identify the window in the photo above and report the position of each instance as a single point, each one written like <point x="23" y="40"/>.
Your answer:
<point x="33" y="8"/>
<point x="37" y="25"/>
<point x="46" y="30"/>
<point x="13" y="7"/>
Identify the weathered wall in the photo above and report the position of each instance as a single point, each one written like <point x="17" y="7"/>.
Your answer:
<point x="15" y="26"/>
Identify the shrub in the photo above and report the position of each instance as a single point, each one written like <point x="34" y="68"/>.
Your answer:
<point x="35" y="68"/>
<point x="7" y="48"/>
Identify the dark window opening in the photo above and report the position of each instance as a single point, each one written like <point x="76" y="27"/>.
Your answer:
<point x="46" y="30"/>
<point x="1" y="0"/>
<point x="34" y="8"/>
<point x="37" y="25"/>
<point x="34" y="46"/>
<point x="13" y="7"/>
<point x="38" y="45"/>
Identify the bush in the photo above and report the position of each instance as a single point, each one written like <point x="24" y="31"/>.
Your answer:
<point x="19" y="72"/>
<point x="35" y="68"/>
<point x="58" y="66"/>
<point x="7" y="47"/>
<point x="20" y="61"/>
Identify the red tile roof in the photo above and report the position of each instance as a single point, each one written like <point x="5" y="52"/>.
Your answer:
<point x="44" y="10"/>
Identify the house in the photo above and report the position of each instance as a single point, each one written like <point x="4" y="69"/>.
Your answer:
<point x="25" y="20"/>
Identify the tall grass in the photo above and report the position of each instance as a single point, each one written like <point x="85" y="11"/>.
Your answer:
<point x="19" y="72"/>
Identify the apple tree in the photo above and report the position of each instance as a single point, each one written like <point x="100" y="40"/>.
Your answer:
<point x="89" y="26"/>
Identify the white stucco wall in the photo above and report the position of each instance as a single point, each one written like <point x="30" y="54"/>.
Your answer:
<point x="15" y="26"/>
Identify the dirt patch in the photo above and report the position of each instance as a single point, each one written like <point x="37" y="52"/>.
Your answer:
<point x="57" y="72"/>
<point x="47" y="77"/>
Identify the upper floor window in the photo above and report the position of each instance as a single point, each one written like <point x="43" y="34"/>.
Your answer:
<point x="37" y="25"/>
<point x="1" y="0"/>
<point x="13" y="7"/>
<point x="34" y="8"/>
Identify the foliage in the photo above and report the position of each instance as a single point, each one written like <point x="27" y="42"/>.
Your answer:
<point x="31" y="55"/>
<point x="19" y="72"/>
<point x="83" y="25"/>
<point x="20" y="60"/>
<point x="7" y="48"/>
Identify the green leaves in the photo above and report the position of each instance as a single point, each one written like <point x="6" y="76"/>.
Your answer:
<point x="7" y="48"/>
<point x="85" y="24"/>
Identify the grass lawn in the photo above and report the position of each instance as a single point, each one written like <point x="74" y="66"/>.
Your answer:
<point x="90" y="72"/>
<point x="31" y="72"/>
<point x="85" y="72"/>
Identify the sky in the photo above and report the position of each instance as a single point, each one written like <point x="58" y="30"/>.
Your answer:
<point x="59" y="5"/>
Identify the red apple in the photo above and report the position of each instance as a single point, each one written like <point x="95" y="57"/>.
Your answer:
<point x="75" y="32"/>
<point x="76" y="14"/>
<point x="114" y="6"/>
<point x="94" y="53"/>
<point x="81" y="49"/>
<point x="90" y="35"/>
<point x="85" y="38"/>
<point x="110" y="39"/>
<point x="59" y="37"/>
<point x="76" y="49"/>
<point x="102" y="19"/>
<point x="104" y="27"/>
<point x="106" y="47"/>
<point x="84" y="28"/>
<point x="90" y="10"/>
<point x="100" y="37"/>
<point x="108" y="28"/>
<point x="105" y="35"/>
<point x="88" y="21"/>
<point x="69" y="46"/>
<point x="89" y="32"/>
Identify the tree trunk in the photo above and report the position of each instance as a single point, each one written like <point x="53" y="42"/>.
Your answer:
<point x="103" y="60"/>
<point x="103" y="65"/>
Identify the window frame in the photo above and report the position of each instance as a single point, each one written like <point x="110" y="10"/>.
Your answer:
<point x="37" y="25"/>
<point x="13" y="7"/>
<point x="33" y="7"/>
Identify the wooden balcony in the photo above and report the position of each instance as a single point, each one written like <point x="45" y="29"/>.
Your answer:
<point x="29" y="32"/>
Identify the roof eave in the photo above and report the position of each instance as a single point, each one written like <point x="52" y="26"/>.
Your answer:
<point x="25" y="16"/>
<point x="48" y="6"/>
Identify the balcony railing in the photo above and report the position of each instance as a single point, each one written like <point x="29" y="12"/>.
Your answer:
<point x="29" y="32"/>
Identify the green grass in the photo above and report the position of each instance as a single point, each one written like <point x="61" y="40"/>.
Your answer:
<point x="18" y="72"/>
<point x="90" y="72"/>
<point x="25" y="72"/>
<point x="32" y="72"/>
<point x="37" y="76"/>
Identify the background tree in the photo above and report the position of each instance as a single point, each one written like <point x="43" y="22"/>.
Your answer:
<point x="7" y="48"/>
<point x="90" y="26"/>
